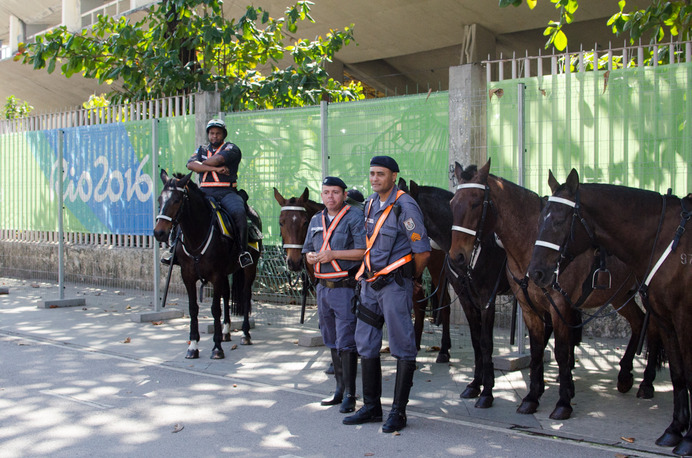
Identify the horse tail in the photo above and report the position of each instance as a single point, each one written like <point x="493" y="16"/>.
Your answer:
<point x="239" y="300"/>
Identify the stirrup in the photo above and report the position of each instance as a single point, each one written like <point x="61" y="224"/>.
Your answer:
<point x="166" y="258"/>
<point x="245" y="259"/>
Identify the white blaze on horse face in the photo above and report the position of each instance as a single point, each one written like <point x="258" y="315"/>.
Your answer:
<point x="295" y="218"/>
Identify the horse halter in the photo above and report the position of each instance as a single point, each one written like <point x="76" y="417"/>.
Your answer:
<point x="161" y="215"/>
<point x="562" y="249"/>
<point x="296" y="208"/>
<point x="478" y="233"/>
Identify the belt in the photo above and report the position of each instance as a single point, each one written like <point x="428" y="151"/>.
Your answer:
<point x="345" y="283"/>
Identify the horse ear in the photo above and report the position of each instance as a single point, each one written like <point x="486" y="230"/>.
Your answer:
<point x="552" y="182"/>
<point x="402" y="185"/>
<point x="572" y="181"/>
<point x="305" y="196"/>
<point x="184" y="180"/>
<point x="458" y="170"/>
<point x="164" y="176"/>
<point x="279" y="198"/>
<point x="484" y="172"/>
<point x="413" y="190"/>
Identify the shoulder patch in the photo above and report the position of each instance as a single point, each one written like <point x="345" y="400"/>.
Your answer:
<point x="409" y="224"/>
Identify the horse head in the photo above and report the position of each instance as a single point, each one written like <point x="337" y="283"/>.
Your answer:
<point x="470" y="214"/>
<point x="171" y="201"/>
<point x="559" y="235"/>
<point x="295" y="216"/>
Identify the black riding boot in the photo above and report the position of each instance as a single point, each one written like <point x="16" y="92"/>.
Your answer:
<point x="244" y="258"/>
<point x="372" y="391"/>
<point x="349" y="364"/>
<point x="402" y="388"/>
<point x="338" y="374"/>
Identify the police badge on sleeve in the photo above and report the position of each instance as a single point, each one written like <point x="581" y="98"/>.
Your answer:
<point x="409" y="224"/>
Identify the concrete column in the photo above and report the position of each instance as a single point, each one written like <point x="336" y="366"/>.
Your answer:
<point x="17" y="33"/>
<point x="72" y="15"/>
<point x="134" y="4"/>
<point x="207" y="106"/>
<point x="467" y="111"/>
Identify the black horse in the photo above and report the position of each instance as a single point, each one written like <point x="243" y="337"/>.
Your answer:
<point x="476" y="288"/>
<point x="207" y="255"/>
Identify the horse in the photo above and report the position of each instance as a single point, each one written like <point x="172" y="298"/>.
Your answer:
<point x="476" y="290"/>
<point x="207" y="255"/>
<point x="485" y="202"/>
<point x="645" y="230"/>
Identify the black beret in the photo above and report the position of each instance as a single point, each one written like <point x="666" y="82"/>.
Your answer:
<point x="386" y="162"/>
<point x="334" y="181"/>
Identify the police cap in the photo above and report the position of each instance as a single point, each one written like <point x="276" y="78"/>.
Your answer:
<point x="334" y="181"/>
<point x="386" y="162"/>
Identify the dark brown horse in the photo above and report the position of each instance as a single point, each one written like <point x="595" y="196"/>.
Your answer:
<point x="475" y="288"/>
<point x="206" y="255"/>
<point x="486" y="202"/>
<point x="646" y="231"/>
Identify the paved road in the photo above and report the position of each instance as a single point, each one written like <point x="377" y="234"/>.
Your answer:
<point x="70" y="385"/>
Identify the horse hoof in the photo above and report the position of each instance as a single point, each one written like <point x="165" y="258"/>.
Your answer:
<point x="442" y="358"/>
<point x="527" y="407"/>
<point x="192" y="354"/>
<point x="561" y="413"/>
<point x="485" y="402"/>
<point x="226" y="337"/>
<point x="217" y="354"/>
<point x="669" y="439"/>
<point x="645" y="392"/>
<point x="684" y="448"/>
<point x="470" y="392"/>
<point x="245" y="341"/>
<point x="626" y="384"/>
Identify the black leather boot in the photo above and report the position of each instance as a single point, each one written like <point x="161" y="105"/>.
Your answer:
<point x="402" y="389"/>
<point x="349" y="364"/>
<point x="372" y="391"/>
<point x="338" y="374"/>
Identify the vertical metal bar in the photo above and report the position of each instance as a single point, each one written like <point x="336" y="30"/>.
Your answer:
<point x="521" y="90"/>
<point x="324" y="124"/>
<point x="154" y="180"/>
<point x="61" y="241"/>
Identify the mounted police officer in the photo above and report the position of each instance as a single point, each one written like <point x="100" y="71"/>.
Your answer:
<point x="335" y="244"/>
<point x="397" y="251"/>
<point x="217" y="165"/>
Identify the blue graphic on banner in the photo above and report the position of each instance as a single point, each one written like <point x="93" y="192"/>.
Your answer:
<point x="105" y="185"/>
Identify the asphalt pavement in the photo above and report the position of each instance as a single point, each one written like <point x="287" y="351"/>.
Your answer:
<point x="91" y="381"/>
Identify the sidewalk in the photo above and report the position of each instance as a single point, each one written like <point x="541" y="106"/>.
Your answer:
<point x="601" y="414"/>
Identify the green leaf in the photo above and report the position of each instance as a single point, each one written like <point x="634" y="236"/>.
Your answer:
<point x="560" y="40"/>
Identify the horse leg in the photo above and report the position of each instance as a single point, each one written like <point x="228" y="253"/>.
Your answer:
<point x="486" y="337"/>
<point x="684" y="448"/>
<point x="672" y="436"/>
<point x="635" y="318"/>
<point x="419" y="315"/>
<point x="193" y="348"/>
<point x="245" y="278"/>
<point x="655" y="357"/>
<point x="537" y="341"/>
<point x="564" y="355"/>
<point x="473" y="389"/>
<point x="444" y="316"/>
<point x="225" y="295"/>
<point x="217" y="351"/>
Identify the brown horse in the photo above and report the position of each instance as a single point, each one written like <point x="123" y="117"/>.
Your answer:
<point x="647" y="232"/>
<point x="475" y="288"/>
<point x="206" y="255"/>
<point x="512" y="212"/>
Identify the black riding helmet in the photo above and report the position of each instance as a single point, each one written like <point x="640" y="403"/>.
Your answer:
<point x="217" y="123"/>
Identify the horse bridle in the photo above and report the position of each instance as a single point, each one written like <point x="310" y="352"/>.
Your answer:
<point x="478" y="232"/>
<point x="173" y="221"/>
<point x="296" y="208"/>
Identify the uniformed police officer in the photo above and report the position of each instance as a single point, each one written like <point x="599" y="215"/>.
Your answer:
<point x="397" y="251"/>
<point x="335" y="244"/>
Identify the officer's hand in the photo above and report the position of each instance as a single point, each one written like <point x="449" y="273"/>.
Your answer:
<point x="325" y="256"/>
<point x="417" y="287"/>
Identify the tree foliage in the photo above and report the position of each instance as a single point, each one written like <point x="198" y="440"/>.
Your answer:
<point x="660" y="18"/>
<point x="184" y="46"/>
<point x="15" y="108"/>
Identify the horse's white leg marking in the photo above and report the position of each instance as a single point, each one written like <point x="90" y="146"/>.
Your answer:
<point x="193" y="346"/>
<point x="226" y="328"/>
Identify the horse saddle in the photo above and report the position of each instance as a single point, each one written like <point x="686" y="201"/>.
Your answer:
<point x="225" y="224"/>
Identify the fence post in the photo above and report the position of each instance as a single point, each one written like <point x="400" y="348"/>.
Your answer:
<point x="521" y="144"/>
<point x="61" y="301"/>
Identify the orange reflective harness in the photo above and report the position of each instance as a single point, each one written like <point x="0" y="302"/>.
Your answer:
<point x="216" y="183"/>
<point x="371" y="241"/>
<point x="338" y="272"/>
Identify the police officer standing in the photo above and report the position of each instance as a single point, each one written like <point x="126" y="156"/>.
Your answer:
<point x="335" y="244"/>
<point x="217" y="165"/>
<point x="397" y="251"/>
